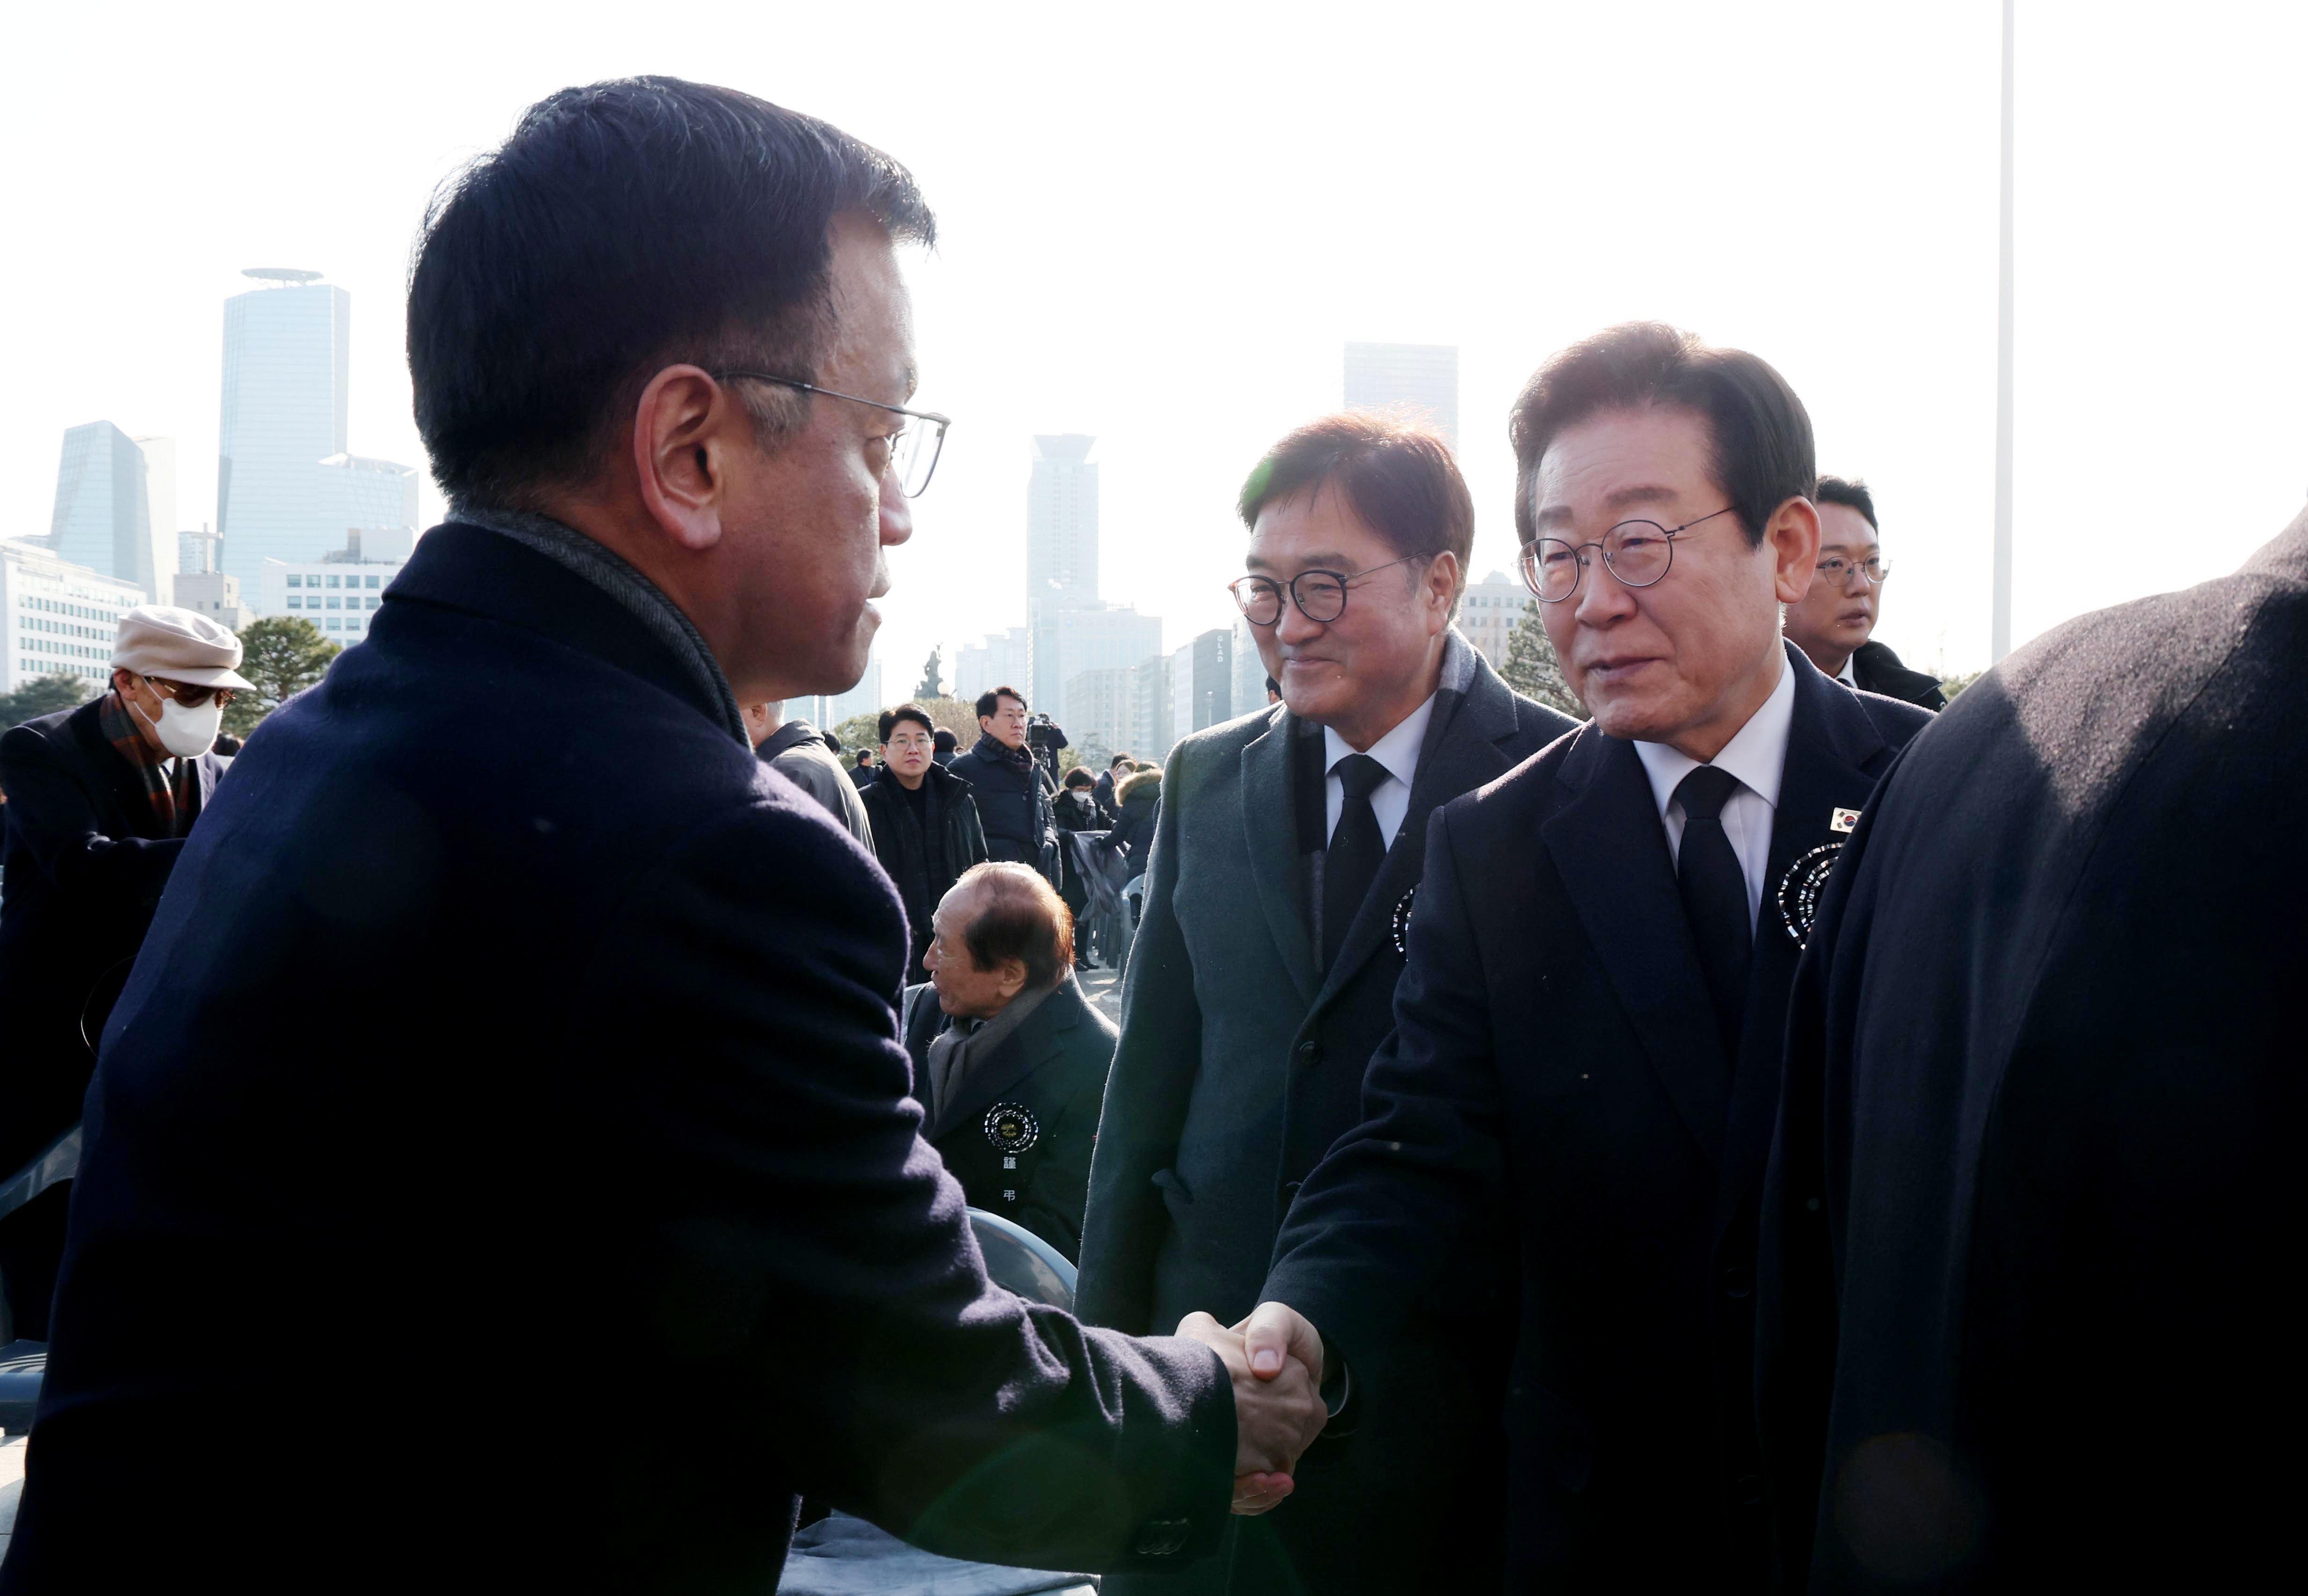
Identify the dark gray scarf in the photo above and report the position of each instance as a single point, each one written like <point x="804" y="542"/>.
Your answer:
<point x="615" y="575"/>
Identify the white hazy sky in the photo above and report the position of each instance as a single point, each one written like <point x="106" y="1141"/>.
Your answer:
<point x="1159" y="226"/>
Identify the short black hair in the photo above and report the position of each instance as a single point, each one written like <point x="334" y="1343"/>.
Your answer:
<point x="1078" y="776"/>
<point x="1763" y="450"/>
<point x="1119" y="759"/>
<point x="864" y="755"/>
<point x="887" y="726"/>
<point x="1396" y="475"/>
<point x="944" y="741"/>
<point x="1022" y="917"/>
<point x="989" y="702"/>
<point x="1272" y="686"/>
<point x="625" y="227"/>
<point x="1852" y="494"/>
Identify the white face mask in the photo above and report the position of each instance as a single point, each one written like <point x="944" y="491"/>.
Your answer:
<point x="188" y="733"/>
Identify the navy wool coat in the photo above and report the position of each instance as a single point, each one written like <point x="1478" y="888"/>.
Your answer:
<point x="502" y="1170"/>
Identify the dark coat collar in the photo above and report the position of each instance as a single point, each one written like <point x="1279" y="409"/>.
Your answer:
<point x="1041" y="1037"/>
<point x="473" y="571"/>
<point x="1608" y="848"/>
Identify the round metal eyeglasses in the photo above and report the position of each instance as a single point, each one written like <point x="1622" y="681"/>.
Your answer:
<point x="913" y="448"/>
<point x="1839" y="571"/>
<point x="1637" y="552"/>
<point x="1321" y="596"/>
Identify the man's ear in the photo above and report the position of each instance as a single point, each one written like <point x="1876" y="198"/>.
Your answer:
<point x="685" y="429"/>
<point x="1442" y="585"/>
<point x="1792" y="534"/>
<point x="1013" y="977"/>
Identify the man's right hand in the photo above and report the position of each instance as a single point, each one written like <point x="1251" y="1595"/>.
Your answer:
<point x="1277" y="1415"/>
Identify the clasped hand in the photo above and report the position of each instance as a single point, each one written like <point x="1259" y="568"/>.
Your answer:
<point x="1276" y="1360"/>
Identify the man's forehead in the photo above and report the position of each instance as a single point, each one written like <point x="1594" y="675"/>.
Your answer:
<point x="1623" y="461"/>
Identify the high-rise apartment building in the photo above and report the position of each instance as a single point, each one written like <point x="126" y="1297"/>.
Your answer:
<point x="57" y="618"/>
<point x="1067" y="641"/>
<point x="1003" y="660"/>
<point x="1098" y="714"/>
<point x="1487" y="613"/>
<point x="102" y="519"/>
<point x="1421" y="378"/>
<point x="288" y="489"/>
<point x="1061" y="521"/>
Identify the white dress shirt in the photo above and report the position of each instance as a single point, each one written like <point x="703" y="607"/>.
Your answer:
<point x="1845" y="675"/>
<point x="1757" y="756"/>
<point x="1397" y="750"/>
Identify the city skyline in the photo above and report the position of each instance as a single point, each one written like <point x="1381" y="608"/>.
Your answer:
<point x="1140" y="311"/>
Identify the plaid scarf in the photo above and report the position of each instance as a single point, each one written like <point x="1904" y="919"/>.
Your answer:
<point x="170" y="784"/>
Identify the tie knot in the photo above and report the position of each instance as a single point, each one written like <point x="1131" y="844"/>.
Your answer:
<point x="1360" y="775"/>
<point x="1703" y="793"/>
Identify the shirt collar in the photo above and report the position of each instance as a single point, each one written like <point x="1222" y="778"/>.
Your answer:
<point x="1397" y="750"/>
<point x="1757" y="754"/>
<point x="1845" y="675"/>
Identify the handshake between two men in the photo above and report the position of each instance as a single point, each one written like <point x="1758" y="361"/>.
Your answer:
<point x="1278" y="1364"/>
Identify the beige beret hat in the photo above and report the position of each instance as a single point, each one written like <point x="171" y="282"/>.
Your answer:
<point x="177" y="646"/>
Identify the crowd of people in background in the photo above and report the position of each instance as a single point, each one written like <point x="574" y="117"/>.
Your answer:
<point x="1758" y="1134"/>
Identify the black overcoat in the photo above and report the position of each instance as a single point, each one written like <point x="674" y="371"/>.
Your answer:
<point x="2038" y="1191"/>
<point x="84" y="863"/>
<point x="1241" y="1061"/>
<point x="1556" y="1065"/>
<point x="1054" y="1067"/>
<point x="501" y="1171"/>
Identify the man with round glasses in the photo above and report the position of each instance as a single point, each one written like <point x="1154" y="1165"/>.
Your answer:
<point x="100" y="800"/>
<point x="1834" y="621"/>
<point x="1587" y="1042"/>
<point x="1287" y="852"/>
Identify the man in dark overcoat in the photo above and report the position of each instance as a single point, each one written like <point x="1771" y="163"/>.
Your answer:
<point x="1289" y="847"/>
<point x="923" y="821"/>
<point x="2028" y="1315"/>
<point x="100" y="803"/>
<point x="1588" y="1031"/>
<point x="1010" y="1058"/>
<point x="502" y="1170"/>
<point x="1008" y="782"/>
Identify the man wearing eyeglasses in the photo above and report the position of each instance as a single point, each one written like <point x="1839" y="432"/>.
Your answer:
<point x="1287" y="855"/>
<point x="100" y="800"/>
<point x="1587" y="1033"/>
<point x="1833" y="622"/>
<point x="608" y="1228"/>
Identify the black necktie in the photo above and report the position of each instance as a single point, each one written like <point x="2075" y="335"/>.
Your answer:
<point x="1356" y="851"/>
<point x="1715" y="896"/>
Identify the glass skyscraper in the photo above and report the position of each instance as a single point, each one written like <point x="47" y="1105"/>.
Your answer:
<point x="101" y="519"/>
<point x="288" y="489"/>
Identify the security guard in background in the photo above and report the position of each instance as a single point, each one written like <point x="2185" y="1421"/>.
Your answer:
<point x="1010" y="1058"/>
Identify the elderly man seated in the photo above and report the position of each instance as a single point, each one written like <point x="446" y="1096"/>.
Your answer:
<point x="1010" y="1058"/>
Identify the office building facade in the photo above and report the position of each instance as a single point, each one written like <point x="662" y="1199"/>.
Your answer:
<point x="339" y="597"/>
<point x="1061" y="521"/>
<point x="1488" y="613"/>
<point x="1098" y="714"/>
<point x="60" y="618"/>
<point x="1001" y="659"/>
<point x="1068" y="640"/>
<point x="1421" y="379"/>
<point x="215" y="594"/>
<point x="103" y="518"/>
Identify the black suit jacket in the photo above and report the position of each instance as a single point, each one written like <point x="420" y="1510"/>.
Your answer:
<point x="2038" y="1186"/>
<point x="85" y="863"/>
<point x="529" y="1132"/>
<point x="1241" y="1062"/>
<point x="1053" y="1067"/>
<point x="1556" y="1065"/>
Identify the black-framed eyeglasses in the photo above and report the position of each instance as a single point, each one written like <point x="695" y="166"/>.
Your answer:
<point x="1321" y="596"/>
<point x="913" y="448"/>
<point x="1639" y="553"/>
<point x="1837" y="570"/>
